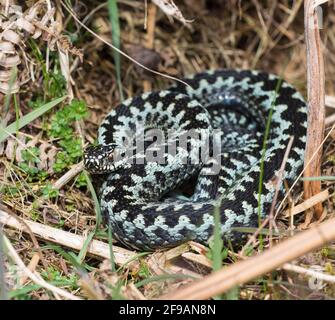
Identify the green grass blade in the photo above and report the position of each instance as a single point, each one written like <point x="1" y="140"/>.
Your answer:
<point x="98" y="219"/>
<point x="321" y="178"/>
<point x="95" y="198"/>
<point x="72" y="259"/>
<point x="249" y="230"/>
<point x="24" y="291"/>
<point x="115" y="24"/>
<point x="83" y="251"/>
<point x="264" y="147"/>
<point x="28" y="118"/>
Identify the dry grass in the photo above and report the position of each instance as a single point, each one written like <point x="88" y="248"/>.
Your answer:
<point x="234" y="34"/>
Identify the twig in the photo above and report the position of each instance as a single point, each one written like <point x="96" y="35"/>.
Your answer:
<point x="278" y="185"/>
<point x="118" y="50"/>
<point x="303" y="170"/>
<point x="31" y="266"/>
<point x="309" y="203"/>
<point x="254" y="236"/>
<point x="198" y="258"/>
<point x="330" y="101"/>
<point x="96" y="248"/>
<point x="330" y="120"/>
<point x="316" y="103"/>
<point x="34" y="277"/>
<point x="244" y="271"/>
<point x="271" y="216"/>
<point x="308" y="272"/>
<point x="31" y="234"/>
<point x="75" y="170"/>
<point x="3" y="291"/>
<point x="151" y="25"/>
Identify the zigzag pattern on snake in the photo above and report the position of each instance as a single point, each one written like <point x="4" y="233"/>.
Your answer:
<point x="140" y="198"/>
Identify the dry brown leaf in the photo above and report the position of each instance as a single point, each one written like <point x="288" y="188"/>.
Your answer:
<point x="169" y="8"/>
<point x="16" y="27"/>
<point x="12" y="148"/>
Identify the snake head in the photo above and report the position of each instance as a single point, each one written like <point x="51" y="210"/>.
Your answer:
<point x="101" y="159"/>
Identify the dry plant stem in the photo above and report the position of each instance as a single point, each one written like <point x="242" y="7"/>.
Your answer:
<point x="271" y="216"/>
<point x="278" y="184"/>
<point x="31" y="266"/>
<point x="308" y="272"/>
<point x="63" y="180"/>
<point x="309" y="203"/>
<point x="200" y="259"/>
<point x="316" y="102"/>
<point x="3" y="289"/>
<point x="330" y="101"/>
<point x="152" y="10"/>
<point x="96" y="248"/>
<point x="330" y="120"/>
<point x="254" y="236"/>
<point x="118" y="50"/>
<point x="303" y="171"/>
<point x="244" y="271"/>
<point x="31" y="234"/>
<point x="34" y="277"/>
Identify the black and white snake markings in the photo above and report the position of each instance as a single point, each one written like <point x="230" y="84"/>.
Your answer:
<point x="138" y="197"/>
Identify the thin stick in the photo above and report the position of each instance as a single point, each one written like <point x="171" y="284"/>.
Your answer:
<point x="118" y="50"/>
<point x="244" y="271"/>
<point x="31" y="234"/>
<point x="122" y="257"/>
<point x="279" y="181"/>
<point x="330" y="101"/>
<point x="308" y="272"/>
<point x="31" y="266"/>
<point x="34" y="277"/>
<point x="151" y="26"/>
<point x="316" y="103"/>
<point x="3" y="291"/>
<point x="303" y="170"/>
<point x="311" y="202"/>
<point x="75" y="170"/>
<point x="330" y="119"/>
<point x="96" y="248"/>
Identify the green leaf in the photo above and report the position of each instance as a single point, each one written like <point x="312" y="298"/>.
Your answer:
<point x="49" y="191"/>
<point x="28" y="118"/>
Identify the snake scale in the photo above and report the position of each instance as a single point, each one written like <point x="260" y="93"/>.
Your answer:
<point x="221" y="115"/>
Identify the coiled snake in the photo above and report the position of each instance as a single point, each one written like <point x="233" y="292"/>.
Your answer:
<point x="212" y="131"/>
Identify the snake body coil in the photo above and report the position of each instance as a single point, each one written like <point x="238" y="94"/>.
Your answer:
<point x="230" y="108"/>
